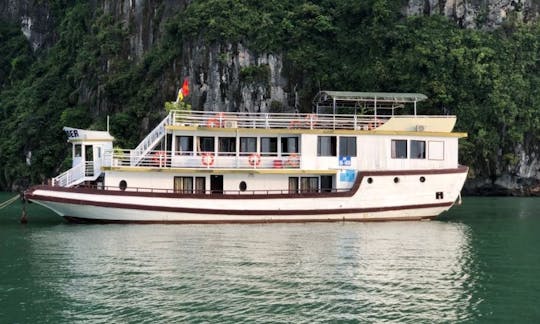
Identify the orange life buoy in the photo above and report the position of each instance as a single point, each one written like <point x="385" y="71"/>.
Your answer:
<point x="254" y="160"/>
<point x="293" y="161"/>
<point x="207" y="159"/>
<point x="159" y="157"/>
<point x="311" y="120"/>
<point x="294" y="124"/>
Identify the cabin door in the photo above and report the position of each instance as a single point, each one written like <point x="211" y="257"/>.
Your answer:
<point x="89" y="159"/>
<point x="216" y="184"/>
<point x="327" y="183"/>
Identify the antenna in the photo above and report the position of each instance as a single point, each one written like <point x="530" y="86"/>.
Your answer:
<point x="107" y="123"/>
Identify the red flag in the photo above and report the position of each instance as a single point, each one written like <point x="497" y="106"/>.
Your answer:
<point x="185" y="88"/>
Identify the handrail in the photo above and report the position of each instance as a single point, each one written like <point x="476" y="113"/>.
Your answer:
<point x="71" y="176"/>
<point x="208" y="192"/>
<point x="150" y="140"/>
<point x="277" y="120"/>
<point x="206" y="160"/>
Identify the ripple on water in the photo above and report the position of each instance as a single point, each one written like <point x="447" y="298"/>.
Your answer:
<point x="266" y="273"/>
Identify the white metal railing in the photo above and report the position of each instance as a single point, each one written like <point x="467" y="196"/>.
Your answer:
<point x="150" y="140"/>
<point x="71" y="176"/>
<point x="222" y="160"/>
<point x="277" y="120"/>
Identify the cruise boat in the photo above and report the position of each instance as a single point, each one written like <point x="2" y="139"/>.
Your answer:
<point x="357" y="157"/>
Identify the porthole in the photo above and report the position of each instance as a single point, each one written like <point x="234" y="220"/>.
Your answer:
<point x="122" y="185"/>
<point x="369" y="180"/>
<point x="422" y="179"/>
<point x="243" y="186"/>
<point x="396" y="180"/>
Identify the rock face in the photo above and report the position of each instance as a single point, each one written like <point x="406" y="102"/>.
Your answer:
<point x="35" y="18"/>
<point x="476" y="13"/>
<point x="231" y="77"/>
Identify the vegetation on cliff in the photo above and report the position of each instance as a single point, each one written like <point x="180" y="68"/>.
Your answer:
<point x="490" y="79"/>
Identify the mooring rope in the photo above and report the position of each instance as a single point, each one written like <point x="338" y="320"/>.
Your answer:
<point x="8" y="202"/>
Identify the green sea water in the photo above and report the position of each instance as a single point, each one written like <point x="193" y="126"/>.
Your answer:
<point x="479" y="263"/>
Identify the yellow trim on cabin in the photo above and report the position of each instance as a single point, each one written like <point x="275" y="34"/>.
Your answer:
<point x="314" y="131"/>
<point x="219" y="171"/>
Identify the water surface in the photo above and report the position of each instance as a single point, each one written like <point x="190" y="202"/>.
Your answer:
<point x="479" y="263"/>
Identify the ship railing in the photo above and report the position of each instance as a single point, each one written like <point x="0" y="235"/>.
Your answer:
<point x="75" y="175"/>
<point x="150" y="141"/>
<point x="209" y="160"/>
<point x="277" y="120"/>
<point x="208" y="192"/>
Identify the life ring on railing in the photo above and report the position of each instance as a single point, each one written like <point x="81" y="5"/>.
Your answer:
<point x="159" y="158"/>
<point x="207" y="159"/>
<point x="294" y="124"/>
<point x="311" y="120"/>
<point x="293" y="161"/>
<point x="254" y="160"/>
<point x="217" y="121"/>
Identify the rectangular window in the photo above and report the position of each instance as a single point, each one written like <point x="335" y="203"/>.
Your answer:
<point x="436" y="150"/>
<point x="206" y="144"/>
<point x="309" y="184"/>
<point x="78" y="150"/>
<point x="200" y="185"/>
<point x="227" y="146"/>
<point x="326" y="146"/>
<point x="289" y="145"/>
<point x="184" y="145"/>
<point x="418" y="149"/>
<point x="183" y="184"/>
<point x="269" y="146"/>
<point x="293" y="185"/>
<point x="347" y="146"/>
<point x="399" y="149"/>
<point x="248" y="145"/>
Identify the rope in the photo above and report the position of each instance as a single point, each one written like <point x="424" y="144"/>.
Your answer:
<point x="8" y="202"/>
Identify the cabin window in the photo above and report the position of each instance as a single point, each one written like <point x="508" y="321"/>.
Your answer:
<point x="326" y="146"/>
<point x="436" y="150"/>
<point x="227" y="146"/>
<point x="347" y="146"/>
<point x="418" y="149"/>
<point x="309" y="184"/>
<point x="242" y="186"/>
<point x="122" y="185"/>
<point x="200" y="185"/>
<point x="78" y="150"/>
<point x="293" y="185"/>
<point x="269" y="146"/>
<point x="183" y="184"/>
<point x="248" y="145"/>
<point x="184" y="145"/>
<point x="399" y="149"/>
<point x="289" y="145"/>
<point x="206" y="144"/>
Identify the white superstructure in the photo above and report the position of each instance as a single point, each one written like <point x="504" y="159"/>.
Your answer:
<point x="353" y="158"/>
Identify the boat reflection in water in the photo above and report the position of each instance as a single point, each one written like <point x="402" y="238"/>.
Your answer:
<point x="402" y="271"/>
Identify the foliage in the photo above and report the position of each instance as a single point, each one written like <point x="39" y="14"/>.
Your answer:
<point x="490" y="79"/>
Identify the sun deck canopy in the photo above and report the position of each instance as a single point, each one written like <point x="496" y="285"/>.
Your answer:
<point x="332" y="101"/>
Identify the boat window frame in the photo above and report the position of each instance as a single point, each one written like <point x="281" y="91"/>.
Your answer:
<point x="348" y="146"/>
<point x="394" y="153"/>
<point x="322" y="149"/>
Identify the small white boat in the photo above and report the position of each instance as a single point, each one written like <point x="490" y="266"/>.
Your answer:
<point x="352" y="159"/>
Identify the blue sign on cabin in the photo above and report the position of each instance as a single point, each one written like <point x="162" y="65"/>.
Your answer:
<point x="347" y="176"/>
<point x="344" y="161"/>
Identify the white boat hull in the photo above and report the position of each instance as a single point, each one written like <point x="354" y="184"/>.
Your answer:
<point x="379" y="200"/>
